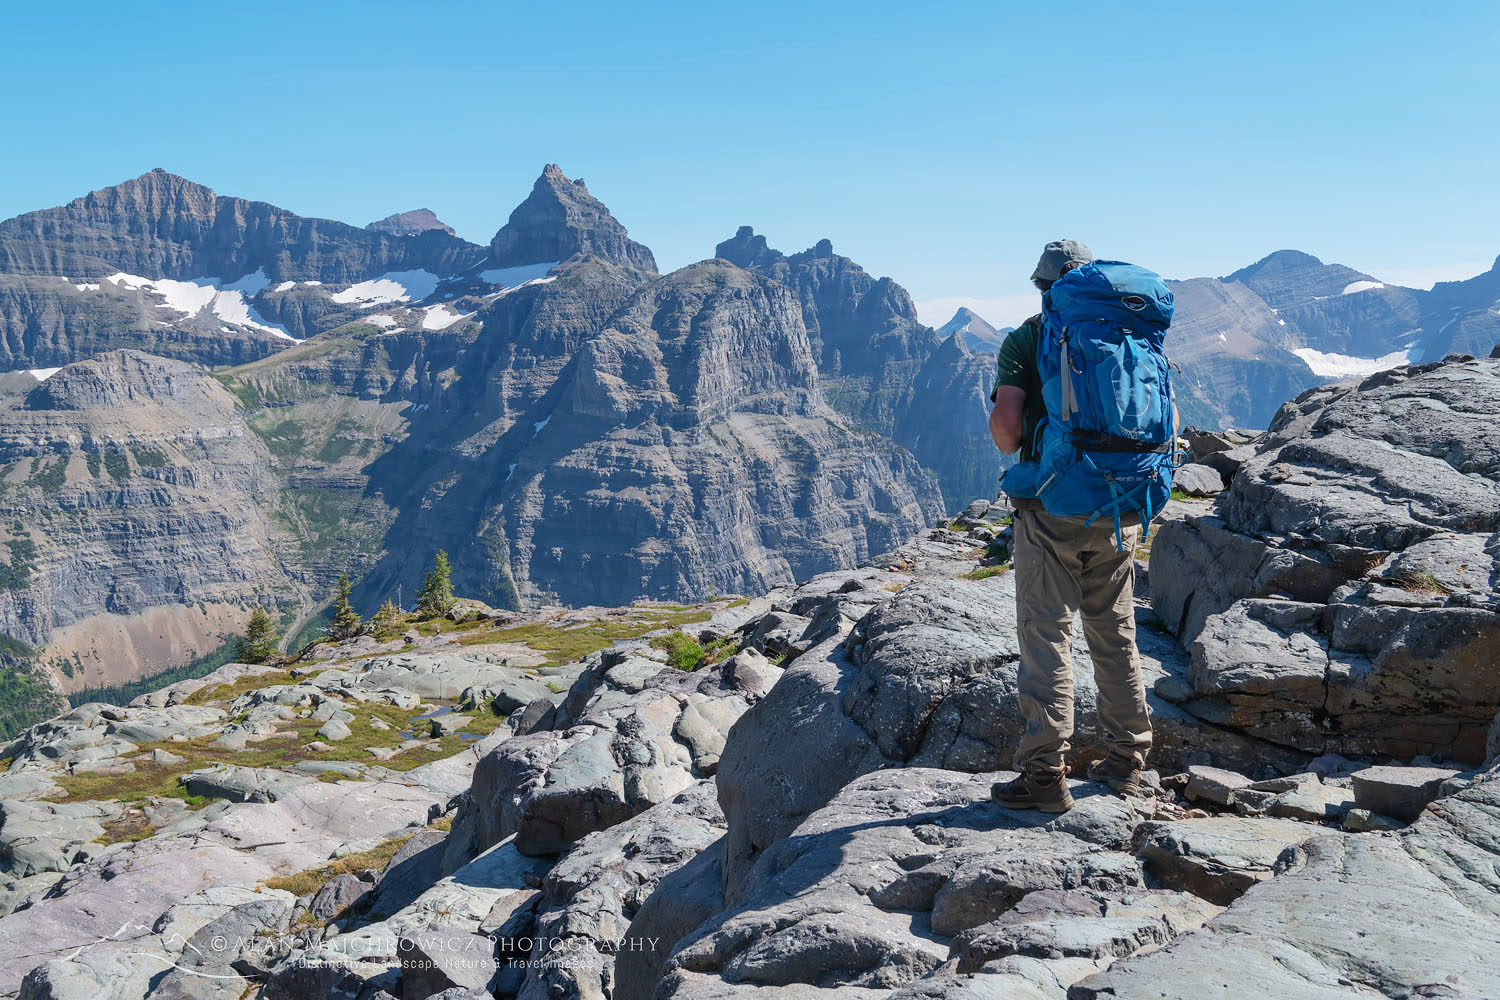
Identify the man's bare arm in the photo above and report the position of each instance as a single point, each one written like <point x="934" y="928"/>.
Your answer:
<point x="1006" y="418"/>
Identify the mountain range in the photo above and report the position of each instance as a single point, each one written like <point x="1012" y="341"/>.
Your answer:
<point x="218" y="403"/>
<point x="214" y="402"/>
<point x="1248" y="341"/>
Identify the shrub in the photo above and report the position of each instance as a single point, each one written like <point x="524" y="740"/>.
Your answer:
<point x="683" y="651"/>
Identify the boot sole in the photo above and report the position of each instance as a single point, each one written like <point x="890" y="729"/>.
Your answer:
<point x="1126" y="788"/>
<point x="1046" y="807"/>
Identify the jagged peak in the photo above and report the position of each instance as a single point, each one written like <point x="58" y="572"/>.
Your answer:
<point x="559" y="219"/>
<point x="747" y="250"/>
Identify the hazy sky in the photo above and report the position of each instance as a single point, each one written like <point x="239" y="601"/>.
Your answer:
<point x="939" y="144"/>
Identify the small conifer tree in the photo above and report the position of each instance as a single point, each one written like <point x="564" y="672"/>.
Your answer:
<point x="387" y="620"/>
<point x="346" y="621"/>
<point x="436" y="595"/>
<point x="259" y="642"/>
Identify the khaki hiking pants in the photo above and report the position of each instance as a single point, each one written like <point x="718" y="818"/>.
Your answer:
<point x="1062" y="568"/>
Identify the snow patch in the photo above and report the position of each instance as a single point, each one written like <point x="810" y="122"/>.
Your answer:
<point x="393" y="286"/>
<point x="251" y="284"/>
<point x="440" y="317"/>
<point x="514" y="277"/>
<point x="228" y="302"/>
<point x="536" y="428"/>
<point x="1362" y="286"/>
<point x="43" y="374"/>
<point x="381" y="320"/>
<point x="285" y="286"/>
<point x="1222" y="337"/>
<point x="1341" y="365"/>
<point x="511" y="471"/>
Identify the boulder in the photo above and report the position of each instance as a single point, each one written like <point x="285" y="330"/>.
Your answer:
<point x="467" y="610"/>
<point x="681" y="901"/>
<point x="409" y="872"/>
<point x="1213" y="784"/>
<point x="1402" y="792"/>
<point x="1197" y="480"/>
<point x="596" y="889"/>
<point x="241" y="784"/>
<point x="38" y="837"/>
<point x="1341" y="598"/>
<point x="459" y="903"/>
<point x="1088" y="924"/>
<point x="119" y="897"/>
<point x="551" y="788"/>
<point x="339" y="895"/>
<point x="334" y="730"/>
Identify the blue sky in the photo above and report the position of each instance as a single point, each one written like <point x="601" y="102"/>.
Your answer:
<point x="938" y="144"/>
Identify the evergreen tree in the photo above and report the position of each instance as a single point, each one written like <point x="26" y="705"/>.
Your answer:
<point x="387" y="620"/>
<point x="259" y="642"/>
<point x="346" y="621"/>
<point x="436" y="595"/>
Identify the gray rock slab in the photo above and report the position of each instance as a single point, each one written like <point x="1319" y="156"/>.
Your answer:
<point x="1214" y="784"/>
<point x="1402" y="792"/>
<point x="1312" y="801"/>
<point x="1220" y="857"/>
<point x="242" y="784"/>
<point x="866" y="892"/>
<point x="1398" y="915"/>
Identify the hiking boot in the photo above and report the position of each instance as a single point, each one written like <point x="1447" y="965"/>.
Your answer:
<point x="1118" y="773"/>
<point x="1034" y="790"/>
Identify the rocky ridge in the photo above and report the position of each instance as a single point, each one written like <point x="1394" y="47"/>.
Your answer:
<point x="806" y="810"/>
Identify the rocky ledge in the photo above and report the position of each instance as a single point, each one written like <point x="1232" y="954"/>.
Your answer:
<point x="791" y="792"/>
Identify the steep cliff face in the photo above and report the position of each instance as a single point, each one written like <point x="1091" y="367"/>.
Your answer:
<point x="132" y="485"/>
<point x="160" y="225"/>
<point x="879" y="365"/>
<point x="696" y="414"/>
<point x="602" y="440"/>
<point x="47" y="321"/>
<point x="946" y="423"/>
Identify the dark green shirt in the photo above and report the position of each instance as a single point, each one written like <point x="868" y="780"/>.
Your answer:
<point x="1017" y="367"/>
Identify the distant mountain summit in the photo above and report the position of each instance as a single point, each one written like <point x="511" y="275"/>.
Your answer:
<point x="973" y="332"/>
<point x="560" y="219"/>
<point x="410" y="223"/>
<point x="1290" y="277"/>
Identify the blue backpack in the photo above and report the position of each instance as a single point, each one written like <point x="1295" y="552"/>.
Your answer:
<point x="1107" y="445"/>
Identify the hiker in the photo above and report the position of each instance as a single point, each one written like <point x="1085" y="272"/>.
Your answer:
<point x="1096" y="443"/>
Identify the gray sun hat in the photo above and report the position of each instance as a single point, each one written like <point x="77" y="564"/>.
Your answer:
<point x="1057" y="255"/>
